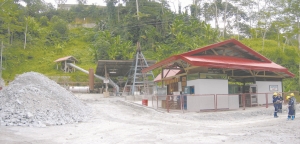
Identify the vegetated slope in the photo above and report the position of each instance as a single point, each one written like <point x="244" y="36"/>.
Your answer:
<point x="40" y="58"/>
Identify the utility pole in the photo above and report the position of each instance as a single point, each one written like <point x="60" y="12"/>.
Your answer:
<point x="137" y="9"/>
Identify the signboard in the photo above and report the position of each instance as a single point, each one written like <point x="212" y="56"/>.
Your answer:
<point x="273" y="87"/>
<point x="161" y="91"/>
<point x="106" y="81"/>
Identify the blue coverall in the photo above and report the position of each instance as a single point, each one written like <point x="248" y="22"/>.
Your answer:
<point x="275" y="99"/>
<point x="291" y="109"/>
<point x="295" y="108"/>
<point x="280" y="104"/>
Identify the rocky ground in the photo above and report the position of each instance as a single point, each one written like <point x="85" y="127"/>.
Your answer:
<point x="114" y="120"/>
<point x="32" y="99"/>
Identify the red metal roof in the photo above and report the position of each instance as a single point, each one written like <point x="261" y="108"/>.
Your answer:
<point x="219" y="61"/>
<point x="234" y="62"/>
<point x="233" y="41"/>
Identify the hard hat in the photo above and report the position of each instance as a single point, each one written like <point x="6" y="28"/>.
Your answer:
<point x="275" y="93"/>
<point x="292" y="94"/>
<point x="287" y="97"/>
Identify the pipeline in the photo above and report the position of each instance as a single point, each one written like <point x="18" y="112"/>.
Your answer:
<point x="99" y="77"/>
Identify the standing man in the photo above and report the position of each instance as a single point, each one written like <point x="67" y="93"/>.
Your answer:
<point x="291" y="114"/>
<point x="280" y="98"/>
<point x="275" y="103"/>
<point x="294" y="104"/>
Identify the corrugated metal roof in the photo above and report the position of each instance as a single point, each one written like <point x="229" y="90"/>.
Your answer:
<point x="66" y="58"/>
<point x="120" y="67"/>
<point x="234" y="62"/>
<point x="255" y="62"/>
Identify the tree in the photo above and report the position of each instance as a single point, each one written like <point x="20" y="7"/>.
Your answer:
<point x="31" y="29"/>
<point x="9" y="24"/>
<point x="83" y="2"/>
<point x="58" y="2"/>
<point x="34" y="7"/>
<point x="111" y="11"/>
<point x="292" y="11"/>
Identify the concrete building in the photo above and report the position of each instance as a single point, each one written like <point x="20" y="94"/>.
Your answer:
<point x="224" y="75"/>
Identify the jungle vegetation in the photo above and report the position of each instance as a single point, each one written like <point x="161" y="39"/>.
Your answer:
<point x="35" y="33"/>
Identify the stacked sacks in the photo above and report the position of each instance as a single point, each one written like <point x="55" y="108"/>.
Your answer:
<point x="32" y="99"/>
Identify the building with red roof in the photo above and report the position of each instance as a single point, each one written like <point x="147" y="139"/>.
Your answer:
<point x="213" y="68"/>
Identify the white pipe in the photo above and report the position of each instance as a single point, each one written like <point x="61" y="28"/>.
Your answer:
<point x="99" y="77"/>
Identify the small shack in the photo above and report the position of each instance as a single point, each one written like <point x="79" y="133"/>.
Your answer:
<point x="63" y="63"/>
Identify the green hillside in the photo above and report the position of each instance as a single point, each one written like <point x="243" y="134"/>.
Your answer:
<point x="52" y="33"/>
<point x="18" y="60"/>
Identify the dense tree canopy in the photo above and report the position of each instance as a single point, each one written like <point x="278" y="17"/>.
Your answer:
<point x="271" y="27"/>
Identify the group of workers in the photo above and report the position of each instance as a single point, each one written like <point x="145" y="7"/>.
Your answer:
<point x="277" y="102"/>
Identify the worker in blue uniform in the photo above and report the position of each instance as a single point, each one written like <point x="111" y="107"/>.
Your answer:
<point x="291" y="114"/>
<point x="280" y="102"/>
<point x="295" y="103"/>
<point x="275" y="103"/>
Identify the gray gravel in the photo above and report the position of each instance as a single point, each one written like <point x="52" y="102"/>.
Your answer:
<point x="32" y="99"/>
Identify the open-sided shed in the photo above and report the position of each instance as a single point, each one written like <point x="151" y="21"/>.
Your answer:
<point x="63" y="63"/>
<point x="116" y="68"/>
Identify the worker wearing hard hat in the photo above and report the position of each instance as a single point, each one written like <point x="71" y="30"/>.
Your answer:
<point x="294" y="99"/>
<point x="275" y="103"/>
<point x="291" y="114"/>
<point x="280" y="102"/>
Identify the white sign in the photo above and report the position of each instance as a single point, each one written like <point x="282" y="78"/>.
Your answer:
<point x="162" y="91"/>
<point x="106" y="81"/>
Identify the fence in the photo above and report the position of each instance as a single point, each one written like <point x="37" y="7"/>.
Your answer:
<point x="211" y="102"/>
<point x="285" y="94"/>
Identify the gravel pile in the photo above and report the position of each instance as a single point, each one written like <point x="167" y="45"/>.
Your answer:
<point x="32" y="99"/>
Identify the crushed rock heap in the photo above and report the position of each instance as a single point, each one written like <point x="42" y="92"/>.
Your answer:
<point x="32" y="99"/>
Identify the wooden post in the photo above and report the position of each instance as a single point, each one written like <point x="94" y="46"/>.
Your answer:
<point x="65" y="68"/>
<point x="106" y="86"/>
<point x="244" y="101"/>
<point x="162" y="76"/>
<point x="167" y="101"/>
<point x="91" y="79"/>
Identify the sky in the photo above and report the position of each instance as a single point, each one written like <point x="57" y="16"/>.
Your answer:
<point x="173" y="3"/>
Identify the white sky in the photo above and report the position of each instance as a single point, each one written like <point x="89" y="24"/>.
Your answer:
<point x="172" y="3"/>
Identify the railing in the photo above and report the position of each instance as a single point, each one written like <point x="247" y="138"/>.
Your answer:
<point x="211" y="102"/>
<point x="285" y="94"/>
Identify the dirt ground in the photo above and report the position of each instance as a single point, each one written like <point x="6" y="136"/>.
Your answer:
<point x="115" y="121"/>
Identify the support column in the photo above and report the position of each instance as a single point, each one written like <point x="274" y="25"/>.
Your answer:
<point x="91" y="80"/>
